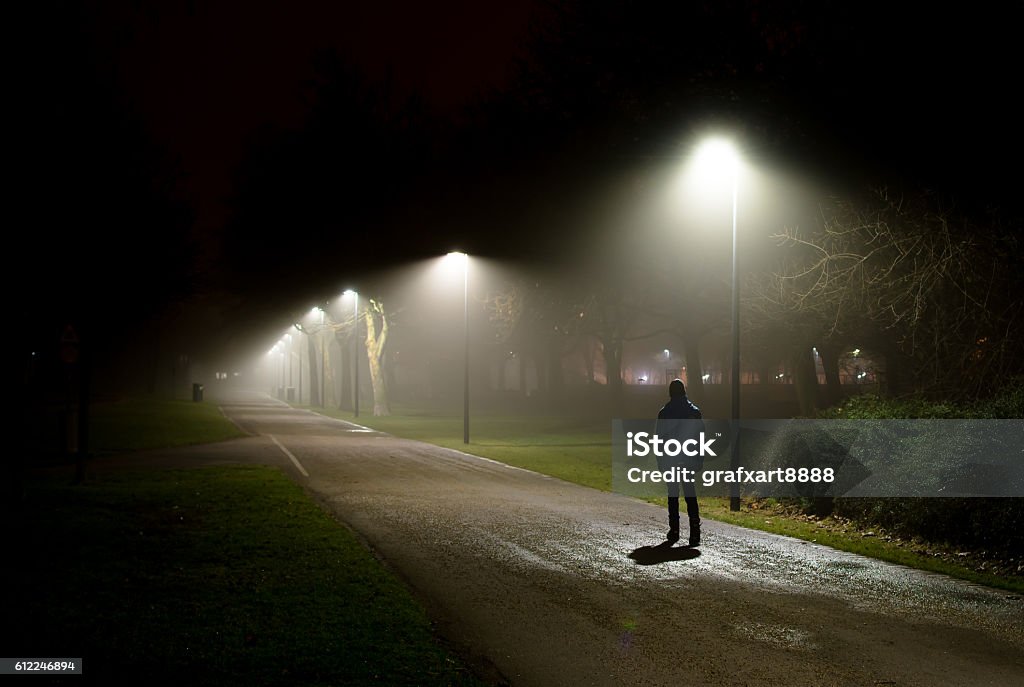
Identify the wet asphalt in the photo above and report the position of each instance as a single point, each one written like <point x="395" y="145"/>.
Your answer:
<point x="537" y="581"/>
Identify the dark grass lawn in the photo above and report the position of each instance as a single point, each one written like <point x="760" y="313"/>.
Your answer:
<point x="570" y="448"/>
<point x="135" y="424"/>
<point x="217" y="576"/>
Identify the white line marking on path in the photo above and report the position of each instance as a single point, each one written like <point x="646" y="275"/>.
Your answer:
<point x="232" y="421"/>
<point x="289" y="454"/>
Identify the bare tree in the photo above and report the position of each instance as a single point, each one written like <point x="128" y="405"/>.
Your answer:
<point x="538" y="318"/>
<point x="931" y="286"/>
<point x="376" y="349"/>
<point x="313" y="333"/>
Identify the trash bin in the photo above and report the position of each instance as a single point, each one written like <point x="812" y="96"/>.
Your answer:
<point x="290" y="394"/>
<point x="197" y="392"/>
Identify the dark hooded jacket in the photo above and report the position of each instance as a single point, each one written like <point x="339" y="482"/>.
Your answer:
<point x="680" y="408"/>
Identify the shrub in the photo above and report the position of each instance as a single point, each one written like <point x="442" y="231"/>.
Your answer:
<point x="975" y="523"/>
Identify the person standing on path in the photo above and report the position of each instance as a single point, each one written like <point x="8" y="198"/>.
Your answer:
<point x="689" y="426"/>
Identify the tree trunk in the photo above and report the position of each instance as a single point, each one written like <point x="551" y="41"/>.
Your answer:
<point x="830" y="362"/>
<point x="894" y="382"/>
<point x="330" y="373"/>
<point x="554" y="365"/>
<point x="314" y="377"/>
<point x="345" y="401"/>
<point x="613" y="369"/>
<point x="588" y="359"/>
<point x="805" y="379"/>
<point x="521" y="359"/>
<point x="694" y="367"/>
<point x="542" y="373"/>
<point x="376" y="340"/>
<point x="380" y="394"/>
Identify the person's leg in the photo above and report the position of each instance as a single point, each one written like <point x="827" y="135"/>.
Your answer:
<point x="692" y="512"/>
<point x="673" y="512"/>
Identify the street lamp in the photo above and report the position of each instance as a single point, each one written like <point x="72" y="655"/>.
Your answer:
<point x="718" y="158"/>
<point x="455" y="258"/>
<point x="355" y="351"/>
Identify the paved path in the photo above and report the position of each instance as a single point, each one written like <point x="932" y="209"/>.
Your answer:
<point x="545" y="582"/>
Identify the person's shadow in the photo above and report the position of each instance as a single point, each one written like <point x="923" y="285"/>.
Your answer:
<point x="663" y="553"/>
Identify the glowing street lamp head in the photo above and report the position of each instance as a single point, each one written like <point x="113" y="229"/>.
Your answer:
<point x="455" y="263"/>
<point x="717" y="157"/>
<point x="348" y="293"/>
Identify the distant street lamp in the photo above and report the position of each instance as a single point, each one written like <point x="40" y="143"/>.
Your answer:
<point x="457" y="257"/>
<point x="355" y="350"/>
<point x="718" y="157"/>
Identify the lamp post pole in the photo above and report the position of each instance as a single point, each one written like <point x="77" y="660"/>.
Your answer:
<point x="734" y="493"/>
<point x="465" y="376"/>
<point x="323" y="361"/>
<point x="355" y="356"/>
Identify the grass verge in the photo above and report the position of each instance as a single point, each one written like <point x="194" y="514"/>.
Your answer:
<point x="574" y="449"/>
<point x="845" y="535"/>
<point x="146" y="423"/>
<point x="579" y="451"/>
<point x="209" y="576"/>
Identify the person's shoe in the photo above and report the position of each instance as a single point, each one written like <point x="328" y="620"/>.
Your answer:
<point x="694" y="532"/>
<point x="673" y="531"/>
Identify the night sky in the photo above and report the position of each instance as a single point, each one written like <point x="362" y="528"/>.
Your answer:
<point x="225" y="158"/>
<point x="206" y="76"/>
